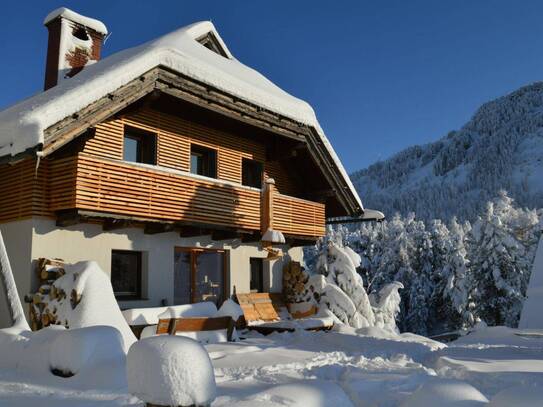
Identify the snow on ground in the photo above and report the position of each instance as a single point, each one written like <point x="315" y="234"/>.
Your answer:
<point x="343" y="367"/>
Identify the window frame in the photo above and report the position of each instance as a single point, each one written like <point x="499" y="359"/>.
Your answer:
<point x="260" y="261"/>
<point x="146" y="149"/>
<point x="138" y="294"/>
<point x="209" y="158"/>
<point x="251" y="164"/>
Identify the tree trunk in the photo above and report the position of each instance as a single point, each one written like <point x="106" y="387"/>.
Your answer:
<point x="10" y="289"/>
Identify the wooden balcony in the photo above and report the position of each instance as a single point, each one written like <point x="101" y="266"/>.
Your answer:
<point x="88" y="183"/>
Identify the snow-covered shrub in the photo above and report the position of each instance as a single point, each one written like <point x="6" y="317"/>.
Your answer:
<point x="386" y="305"/>
<point x="338" y="287"/>
<point x="170" y="371"/>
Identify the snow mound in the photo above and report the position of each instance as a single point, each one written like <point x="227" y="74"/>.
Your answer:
<point x="518" y="396"/>
<point x="503" y="336"/>
<point x="314" y="393"/>
<point x="230" y="308"/>
<point x="94" y="357"/>
<point x="445" y="393"/>
<point x="170" y="370"/>
<point x="75" y="349"/>
<point x="89" y="300"/>
<point x="200" y="309"/>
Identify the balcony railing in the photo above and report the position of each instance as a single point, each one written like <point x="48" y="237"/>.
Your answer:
<point x="90" y="183"/>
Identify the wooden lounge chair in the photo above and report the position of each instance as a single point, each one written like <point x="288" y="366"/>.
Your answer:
<point x="193" y="324"/>
<point x="267" y="313"/>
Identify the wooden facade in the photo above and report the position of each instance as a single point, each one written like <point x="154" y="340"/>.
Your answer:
<point x="174" y="138"/>
<point x="93" y="178"/>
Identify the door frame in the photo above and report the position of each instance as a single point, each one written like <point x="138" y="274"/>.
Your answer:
<point x="193" y="252"/>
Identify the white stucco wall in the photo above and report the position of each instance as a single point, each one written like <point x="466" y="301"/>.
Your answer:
<point x="28" y="240"/>
<point x="90" y="242"/>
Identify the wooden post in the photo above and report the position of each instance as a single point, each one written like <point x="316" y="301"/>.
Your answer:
<point x="267" y="205"/>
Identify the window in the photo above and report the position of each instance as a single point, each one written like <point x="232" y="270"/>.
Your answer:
<point x="251" y="173"/>
<point x="203" y="161"/>
<point x="199" y="275"/>
<point x="139" y="146"/>
<point x="126" y="274"/>
<point x="257" y="275"/>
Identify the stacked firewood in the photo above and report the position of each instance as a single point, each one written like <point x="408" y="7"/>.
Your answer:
<point x="294" y="279"/>
<point x="42" y="313"/>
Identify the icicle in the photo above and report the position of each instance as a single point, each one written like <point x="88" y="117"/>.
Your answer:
<point x="38" y="156"/>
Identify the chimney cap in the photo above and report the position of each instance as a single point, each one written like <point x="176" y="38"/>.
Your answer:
<point x="68" y="14"/>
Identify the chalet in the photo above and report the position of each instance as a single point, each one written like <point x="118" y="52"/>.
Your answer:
<point x="185" y="174"/>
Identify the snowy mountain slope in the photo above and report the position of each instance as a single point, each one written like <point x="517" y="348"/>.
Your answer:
<point x="501" y="147"/>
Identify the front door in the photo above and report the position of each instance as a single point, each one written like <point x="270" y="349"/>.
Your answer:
<point x="199" y="275"/>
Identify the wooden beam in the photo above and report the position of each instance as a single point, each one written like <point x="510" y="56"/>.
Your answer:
<point x="297" y="241"/>
<point x="68" y="129"/>
<point x="251" y="238"/>
<point x="114" y="224"/>
<point x="68" y="218"/>
<point x="191" y="231"/>
<point x="282" y="152"/>
<point x="225" y="235"/>
<point x="154" y="228"/>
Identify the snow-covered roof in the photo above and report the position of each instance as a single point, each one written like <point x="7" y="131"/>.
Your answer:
<point x="68" y="14"/>
<point x="22" y="125"/>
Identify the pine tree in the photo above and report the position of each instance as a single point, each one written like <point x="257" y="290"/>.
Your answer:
<point x="501" y="252"/>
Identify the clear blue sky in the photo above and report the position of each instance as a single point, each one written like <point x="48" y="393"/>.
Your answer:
<point x="382" y="75"/>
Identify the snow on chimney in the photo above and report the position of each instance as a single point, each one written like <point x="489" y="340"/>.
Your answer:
<point x="74" y="42"/>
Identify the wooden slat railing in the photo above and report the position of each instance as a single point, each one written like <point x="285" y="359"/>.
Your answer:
<point x="98" y="184"/>
<point x="110" y="186"/>
<point x="295" y="216"/>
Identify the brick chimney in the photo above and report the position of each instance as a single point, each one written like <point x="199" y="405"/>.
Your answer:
<point x="74" y="42"/>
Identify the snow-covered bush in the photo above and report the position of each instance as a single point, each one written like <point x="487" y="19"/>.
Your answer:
<point x="337" y="286"/>
<point x="170" y="371"/>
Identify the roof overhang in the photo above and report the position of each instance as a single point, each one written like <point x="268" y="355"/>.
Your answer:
<point x="164" y="80"/>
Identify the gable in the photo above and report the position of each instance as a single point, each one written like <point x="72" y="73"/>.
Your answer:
<point x="211" y="42"/>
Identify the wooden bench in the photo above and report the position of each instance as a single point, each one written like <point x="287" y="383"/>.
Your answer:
<point x="269" y="307"/>
<point x="195" y="324"/>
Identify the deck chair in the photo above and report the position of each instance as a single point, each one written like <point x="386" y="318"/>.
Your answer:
<point x="267" y="313"/>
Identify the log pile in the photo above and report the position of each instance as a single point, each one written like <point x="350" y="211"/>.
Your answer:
<point x="294" y="282"/>
<point x="42" y="303"/>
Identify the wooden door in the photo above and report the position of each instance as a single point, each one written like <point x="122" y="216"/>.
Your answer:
<point x="199" y="275"/>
